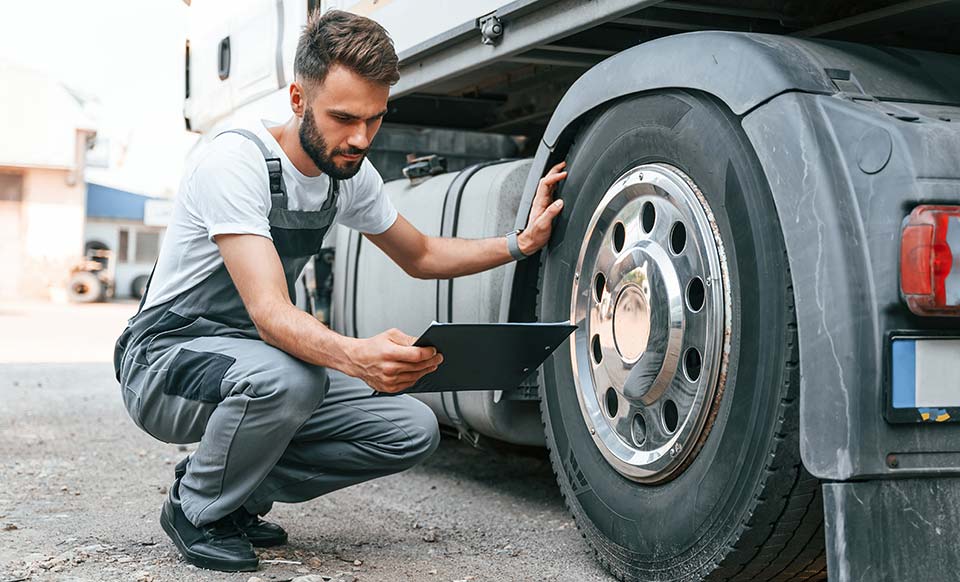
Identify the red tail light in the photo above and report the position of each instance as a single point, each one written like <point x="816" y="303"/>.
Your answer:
<point x="930" y="260"/>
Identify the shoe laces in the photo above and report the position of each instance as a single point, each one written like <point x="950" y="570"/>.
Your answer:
<point x="244" y="518"/>
<point x="224" y="527"/>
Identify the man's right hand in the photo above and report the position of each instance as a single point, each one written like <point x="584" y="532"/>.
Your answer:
<point x="389" y="362"/>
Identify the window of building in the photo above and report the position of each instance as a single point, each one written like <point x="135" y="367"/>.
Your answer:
<point x="148" y="247"/>
<point x="11" y="187"/>
<point x="123" y="246"/>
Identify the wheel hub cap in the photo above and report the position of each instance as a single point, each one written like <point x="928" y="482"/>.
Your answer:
<point x="631" y="322"/>
<point x="651" y="307"/>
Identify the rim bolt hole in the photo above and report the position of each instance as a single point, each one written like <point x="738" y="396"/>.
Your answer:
<point x="612" y="403"/>
<point x="671" y="416"/>
<point x="599" y="283"/>
<point x="691" y="364"/>
<point x="695" y="294"/>
<point x="638" y="430"/>
<point x="597" y="353"/>
<point x="619" y="236"/>
<point x="678" y="238"/>
<point x="648" y="217"/>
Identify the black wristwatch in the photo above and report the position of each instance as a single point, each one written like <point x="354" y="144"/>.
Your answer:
<point x="513" y="246"/>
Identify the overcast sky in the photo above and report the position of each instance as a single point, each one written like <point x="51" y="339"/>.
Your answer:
<point x="126" y="53"/>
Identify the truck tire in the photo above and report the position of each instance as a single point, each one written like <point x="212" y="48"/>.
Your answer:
<point x="672" y="417"/>
<point x="85" y="287"/>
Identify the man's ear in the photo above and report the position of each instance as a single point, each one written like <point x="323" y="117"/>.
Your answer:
<point x="298" y="99"/>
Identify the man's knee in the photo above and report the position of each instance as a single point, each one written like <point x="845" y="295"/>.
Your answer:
<point x="297" y="387"/>
<point x="423" y="433"/>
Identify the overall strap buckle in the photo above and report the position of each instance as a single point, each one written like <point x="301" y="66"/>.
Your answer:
<point x="278" y="189"/>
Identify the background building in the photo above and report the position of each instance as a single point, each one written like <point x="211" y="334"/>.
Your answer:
<point x="46" y="132"/>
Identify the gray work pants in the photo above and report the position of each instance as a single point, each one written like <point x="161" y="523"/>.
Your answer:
<point x="283" y="430"/>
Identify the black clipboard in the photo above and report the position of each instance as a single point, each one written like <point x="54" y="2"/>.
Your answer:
<point x="487" y="356"/>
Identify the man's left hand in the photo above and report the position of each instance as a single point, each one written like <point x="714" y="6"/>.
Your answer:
<point x="542" y="212"/>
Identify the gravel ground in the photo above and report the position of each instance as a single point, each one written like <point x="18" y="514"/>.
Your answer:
<point x="81" y="487"/>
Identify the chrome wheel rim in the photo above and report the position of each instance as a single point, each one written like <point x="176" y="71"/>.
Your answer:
<point x="651" y="304"/>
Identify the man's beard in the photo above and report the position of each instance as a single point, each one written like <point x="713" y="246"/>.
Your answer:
<point x="312" y="142"/>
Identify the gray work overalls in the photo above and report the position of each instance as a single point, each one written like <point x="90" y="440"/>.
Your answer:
<point x="271" y="427"/>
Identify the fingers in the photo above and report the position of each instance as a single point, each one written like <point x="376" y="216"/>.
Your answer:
<point x="546" y="217"/>
<point x="546" y="186"/>
<point x="411" y="354"/>
<point x="393" y="368"/>
<point x="433" y="362"/>
<point x="398" y="364"/>
<point x="551" y="179"/>
<point x="548" y="182"/>
<point x="405" y="350"/>
<point x="554" y="175"/>
<point x="552" y="211"/>
<point x="405" y="380"/>
<point x="399" y="337"/>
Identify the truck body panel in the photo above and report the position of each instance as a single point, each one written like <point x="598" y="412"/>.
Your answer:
<point x="841" y="214"/>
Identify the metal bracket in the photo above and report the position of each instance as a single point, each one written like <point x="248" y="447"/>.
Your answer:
<point x="491" y="29"/>
<point x="850" y="88"/>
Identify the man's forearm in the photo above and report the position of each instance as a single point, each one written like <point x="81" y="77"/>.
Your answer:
<point x="447" y="258"/>
<point x="301" y="335"/>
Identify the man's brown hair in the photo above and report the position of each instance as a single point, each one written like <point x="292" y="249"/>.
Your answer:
<point x="355" y="42"/>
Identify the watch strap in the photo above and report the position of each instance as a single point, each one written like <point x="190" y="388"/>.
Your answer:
<point x="513" y="246"/>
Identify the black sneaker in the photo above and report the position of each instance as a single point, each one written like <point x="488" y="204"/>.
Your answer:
<point x="220" y="545"/>
<point x="261" y="534"/>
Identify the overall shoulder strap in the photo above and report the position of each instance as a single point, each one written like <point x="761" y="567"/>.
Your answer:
<point x="278" y="189"/>
<point x="333" y="191"/>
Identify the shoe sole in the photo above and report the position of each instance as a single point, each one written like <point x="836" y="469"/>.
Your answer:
<point x="268" y="543"/>
<point x="166" y="522"/>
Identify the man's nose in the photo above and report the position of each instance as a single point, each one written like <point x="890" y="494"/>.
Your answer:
<point x="358" y="138"/>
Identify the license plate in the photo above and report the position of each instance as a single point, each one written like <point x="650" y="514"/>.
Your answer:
<point x="924" y="379"/>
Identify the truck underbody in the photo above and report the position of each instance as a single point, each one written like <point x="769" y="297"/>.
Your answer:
<point x="454" y="80"/>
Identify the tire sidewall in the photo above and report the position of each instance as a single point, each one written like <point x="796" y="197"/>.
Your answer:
<point x="688" y="520"/>
<point x="96" y="288"/>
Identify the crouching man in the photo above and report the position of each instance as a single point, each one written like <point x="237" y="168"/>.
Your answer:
<point x="218" y="354"/>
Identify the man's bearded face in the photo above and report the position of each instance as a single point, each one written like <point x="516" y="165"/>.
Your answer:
<point x="316" y="147"/>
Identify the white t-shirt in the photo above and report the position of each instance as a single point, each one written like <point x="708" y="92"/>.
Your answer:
<point x="225" y="190"/>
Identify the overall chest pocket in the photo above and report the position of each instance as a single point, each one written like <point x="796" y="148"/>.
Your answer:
<point x="297" y="242"/>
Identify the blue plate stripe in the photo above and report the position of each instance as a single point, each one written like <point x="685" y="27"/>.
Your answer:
<point x="904" y="373"/>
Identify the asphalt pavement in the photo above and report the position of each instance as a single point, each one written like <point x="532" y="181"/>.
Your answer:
<point x="81" y="487"/>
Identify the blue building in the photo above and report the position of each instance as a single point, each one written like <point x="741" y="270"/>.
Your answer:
<point x="131" y="226"/>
